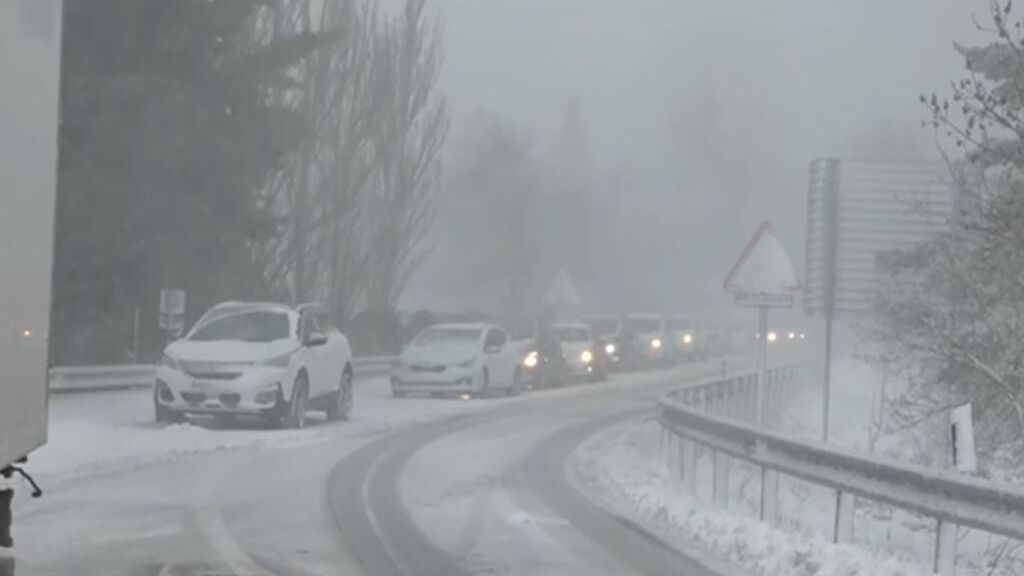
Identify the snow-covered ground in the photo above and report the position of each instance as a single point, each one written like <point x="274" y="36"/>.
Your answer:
<point x="623" y="470"/>
<point x="103" y="433"/>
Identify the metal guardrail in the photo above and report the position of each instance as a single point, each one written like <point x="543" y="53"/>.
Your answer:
<point x="717" y="417"/>
<point x="120" y="377"/>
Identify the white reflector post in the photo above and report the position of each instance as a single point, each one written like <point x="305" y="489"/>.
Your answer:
<point x="962" y="431"/>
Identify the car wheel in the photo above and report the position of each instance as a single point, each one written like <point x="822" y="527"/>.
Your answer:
<point x="397" y="394"/>
<point x="164" y="415"/>
<point x="517" y="383"/>
<point x="295" y="417"/>
<point x="485" y="381"/>
<point x="341" y="408"/>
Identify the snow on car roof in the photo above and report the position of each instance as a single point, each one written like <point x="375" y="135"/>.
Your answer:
<point x="275" y="306"/>
<point x="574" y="325"/>
<point x="462" y="326"/>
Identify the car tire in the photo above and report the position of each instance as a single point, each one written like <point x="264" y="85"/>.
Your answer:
<point x="397" y="394"/>
<point x="516" y="388"/>
<point x="295" y="416"/>
<point x="341" y="407"/>
<point x="165" y="416"/>
<point x="485" y="381"/>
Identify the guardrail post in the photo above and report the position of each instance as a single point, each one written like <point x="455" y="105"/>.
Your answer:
<point x="720" y="487"/>
<point x="945" y="548"/>
<point x="674" y="462"/>
<point x="751" y="404"/>
<point x="688" y="458"/>
<point x="769" y="496"/>
<point x="843" y="528"/>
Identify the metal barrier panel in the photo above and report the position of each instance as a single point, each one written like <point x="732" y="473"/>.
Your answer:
<point x="98" y="378"/>
<point x="951" y="499"/>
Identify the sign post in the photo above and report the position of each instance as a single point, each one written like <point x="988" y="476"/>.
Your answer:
<point x="762" y="278"/>
<point x="857" y="212"/>
<point x="172" y="311"/>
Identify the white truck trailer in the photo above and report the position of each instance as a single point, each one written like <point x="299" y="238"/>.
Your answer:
<point x="30" y="40"/>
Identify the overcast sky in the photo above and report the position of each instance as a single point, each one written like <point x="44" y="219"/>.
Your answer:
<point x="712" y="103"/>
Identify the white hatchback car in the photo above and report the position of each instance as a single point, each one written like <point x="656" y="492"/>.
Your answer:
<point x="257" y="359"/>
<point x="459" y="359"/>
<point x="579" y="350"/>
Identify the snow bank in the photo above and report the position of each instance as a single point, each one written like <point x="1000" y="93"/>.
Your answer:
<point x="623" y="469"/>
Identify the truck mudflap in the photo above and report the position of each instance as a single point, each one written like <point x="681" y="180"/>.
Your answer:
<point x="6" y="516"/>
<point x="6" y="496"/>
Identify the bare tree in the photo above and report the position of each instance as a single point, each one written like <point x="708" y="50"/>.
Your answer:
<point x="402" y="206"/>
<point x="357" y="198"/>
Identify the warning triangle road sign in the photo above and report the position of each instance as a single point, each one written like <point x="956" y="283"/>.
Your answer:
<point x="562" y="292"/>
<point x="763" y="267"/>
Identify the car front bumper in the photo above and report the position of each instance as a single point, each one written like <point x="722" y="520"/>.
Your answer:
<point x="256" y="391"/>
<point x="577" y="367"/>
<point x="451" y="379"/>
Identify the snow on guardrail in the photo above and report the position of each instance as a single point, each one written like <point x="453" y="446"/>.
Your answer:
<point x="97" y="378"/>
<point x="717" y="417"/>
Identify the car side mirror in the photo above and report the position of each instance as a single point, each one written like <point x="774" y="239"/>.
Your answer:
<point x="316" y="339"/>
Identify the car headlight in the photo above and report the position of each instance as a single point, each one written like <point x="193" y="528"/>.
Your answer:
<point x="468" y="363"/>
<point x="609" y="348"/>
<point x="278" y="361"/>
<point x="656" y="343"/>
<point x="170" y="362"/>
<point x="772" y="336"/>
<point x="687" y="338"/>
<point x="531" y="360"/>
<point x="587" y="356"/>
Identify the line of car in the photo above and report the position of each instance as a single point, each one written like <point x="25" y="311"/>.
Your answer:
<point x="278" y="362"/>
<point x="481" y="359"/>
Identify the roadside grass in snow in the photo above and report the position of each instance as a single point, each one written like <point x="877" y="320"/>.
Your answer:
<point x="624" y="469"/>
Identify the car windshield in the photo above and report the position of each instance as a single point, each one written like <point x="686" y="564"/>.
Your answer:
<point x="678" y="325"/>
<point x="244" y="326"/>
<point x="604" y="326"/>
<point x="643" y="325"/>
<point x="439" y="336"/>
<point x="571" y="334"/>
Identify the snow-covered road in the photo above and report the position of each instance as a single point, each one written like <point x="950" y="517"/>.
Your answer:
<point x="414" y="486"/>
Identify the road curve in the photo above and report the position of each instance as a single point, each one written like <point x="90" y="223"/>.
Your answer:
<point x="518" y="514"/>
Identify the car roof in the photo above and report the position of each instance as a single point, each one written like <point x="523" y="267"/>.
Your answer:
<point x="463" y="326"/>
<point x="579" y="325"/>
<point x="272" y="306"/>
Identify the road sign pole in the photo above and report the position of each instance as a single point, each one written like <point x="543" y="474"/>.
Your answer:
<point x="831" y="247"/>
<point x="762" y="363"/>
<point x="826" y="402"/>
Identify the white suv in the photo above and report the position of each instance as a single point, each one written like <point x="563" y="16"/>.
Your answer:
<point x="257" y="359"/>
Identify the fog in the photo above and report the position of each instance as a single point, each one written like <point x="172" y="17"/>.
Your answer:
<point x="714" y="110"/>
<point x="439" y="286"/>
<point x="636" y="146"/>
